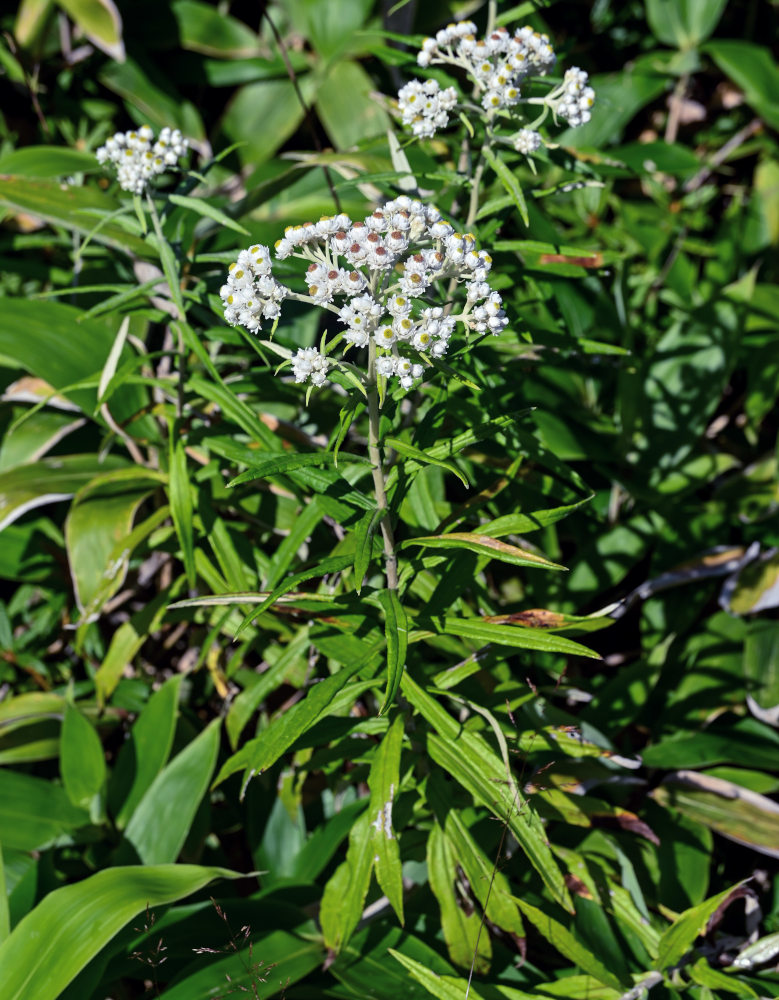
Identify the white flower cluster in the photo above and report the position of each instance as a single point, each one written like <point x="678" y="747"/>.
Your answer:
<point x="497" y="64"/>
<point x="574" y="98"/>
<point x="251" y="292"/>
<point x="526" y="141"/>
<point x="425" y="107"/>
<point x="138" y="157"/>
<point x="387" y="280"/>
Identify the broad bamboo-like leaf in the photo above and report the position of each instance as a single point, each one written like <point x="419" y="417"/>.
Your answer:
<point x="101" y="23"/>
<point x="212" y="32"/>
<point x="26" y="487"/>
<point x="145" y="752"/>
<point x="396" y="635"/>
<point x="51" y="945"/>
<point x="35" y="813"/>
<point x="47" y="161"/>
<point x="71" y="207"/>
<point x="493" y="548"/>
<point x="384" y="782"/>
<point x="737" y="813"/>
<point x="82" y="761"/>
<point x="160" y="822"/>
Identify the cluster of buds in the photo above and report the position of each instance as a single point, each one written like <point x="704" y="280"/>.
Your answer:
<point x="389" y="279"/>
<point x="138" y="157"/>
<point x="497" y="64"/>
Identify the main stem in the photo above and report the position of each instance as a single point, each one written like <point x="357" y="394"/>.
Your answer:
<point x="377" y="468"/>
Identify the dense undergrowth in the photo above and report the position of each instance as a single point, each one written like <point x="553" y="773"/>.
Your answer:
<point x="296" y="696"/>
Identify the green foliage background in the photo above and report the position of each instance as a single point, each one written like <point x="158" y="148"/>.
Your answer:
<point x="582" y="764"/>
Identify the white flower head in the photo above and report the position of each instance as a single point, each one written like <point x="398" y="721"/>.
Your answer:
<point x="392" y="281"/>
<point x="138" y="158"/>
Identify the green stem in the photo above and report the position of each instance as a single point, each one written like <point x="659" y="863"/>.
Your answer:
<point x="170" y="269"/>
<point x="377" y="468"/>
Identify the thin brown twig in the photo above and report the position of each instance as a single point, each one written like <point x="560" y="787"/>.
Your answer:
<point x="308" y="117"/>
<point x="722" y="154"/>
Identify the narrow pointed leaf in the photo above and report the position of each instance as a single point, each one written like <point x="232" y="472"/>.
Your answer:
<point x="384" y="782"/>
<point x="396" y="635"/>
<point x="493" y="548"/>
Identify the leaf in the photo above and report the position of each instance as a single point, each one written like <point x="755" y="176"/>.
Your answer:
<point x="345" y="106"/>
<point x="483" y="546"/>
<point x="564" y="941"/>
<point x="29" y="486"/>
<point x="677" y="939"/>
<point x="344" y="895"/>
<point x="181" y="504"/>
<point x="683" y="23"/>
<point x="396" y="635"/>
<point x="36" y="813"/>
<point x="101" y="23"/>
<point x="520" y="524"/>
<point x="213" y="32"/>
<point x="279" y="464"/>
<point x="161" y="821"/>
<point x="752" y="68"/>
<point x="58" y="344"/>
<point x="408" y="451"/>
<point x="508" y="635"/>
<point x="82" y="761"/>
<point x="47" y="161"/>
<point x="264" y="750"/>
<point x="206" y="210"/>
<point x="384" y="784"/>
<point x="148" y="103"/>
<point x="264" y="115"/>
<point x="441" y="987"/>
<point x="50" y="946"/>
<point x="509" y="182"/>
<point x="363" y="545"/>
<point x="94" y="528"/>
<point x="472" y="763"/>
<point x="460" y="924"/>
<point x="145" y="752"/>
<point x="737" y="813"/>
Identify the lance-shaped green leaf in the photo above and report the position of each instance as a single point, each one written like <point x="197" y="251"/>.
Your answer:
<point x="344" y="896"/>
<point x="474" y="765"/>
<point x="423" y="458"/>
<point x="680" y="936"/>
<point x="521" y="524"/>
<point x="460" y="923"/>
<point x="48" y="161"/>
<point x="384" y="781"/>
<point x="206" y="210"/>
<point x="264" y="750"/>
<point x="181" y="505"/>
<point x="160" y="823"/>
<point x="441" y="987"/>
<point x="493" y="548"/>
<point x="509" y="182"/>
<point x="363" y="544"/>
<point x="53" y="943"/>
<point x="396" y="635"/>
<point x="567" y="944"/>
<point x="278" y="464"/>
<point x="510" y="635"/>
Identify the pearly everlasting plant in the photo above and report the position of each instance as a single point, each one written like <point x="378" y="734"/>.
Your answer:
<point x="499" y="67"/>
<point x="393" y="281"/>
<point x="138" y="157"/>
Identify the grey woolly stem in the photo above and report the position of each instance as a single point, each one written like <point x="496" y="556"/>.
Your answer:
<point x="377" y="469"/>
